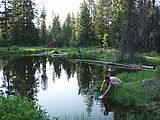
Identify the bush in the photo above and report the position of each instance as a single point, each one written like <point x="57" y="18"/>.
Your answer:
<point x="15" y="47"/>
<point x="55" y="52"/>
<point x="17" y="108"/>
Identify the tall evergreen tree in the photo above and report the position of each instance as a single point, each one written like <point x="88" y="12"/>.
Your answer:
<point x="114" y="34"/>
<point x="56" y="31"/>
<point x="67" y="31"/>
<point x="5" y="15"/>
<point x="23" y="30"/>
<point x="139" y="30"/>
<point x="32" y="31"/>
<point x="73" y="41"/>
<point x="43" y="31"/>
<point x="91" y="4"/>
<point x="100" y="21"/>
<point x="85" y="25"/>
<point x="127" y="43"/>
<point x="147" y="24"/>
<point x="157" y="29"/>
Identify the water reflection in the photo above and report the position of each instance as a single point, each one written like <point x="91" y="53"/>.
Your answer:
<point x="59" y="85"/>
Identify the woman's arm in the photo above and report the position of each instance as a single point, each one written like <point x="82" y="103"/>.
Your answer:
<point x="102" y="85"/>
<point x="109" y="87"/>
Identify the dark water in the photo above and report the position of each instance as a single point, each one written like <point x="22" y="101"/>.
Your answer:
<point x="65" y="88"/>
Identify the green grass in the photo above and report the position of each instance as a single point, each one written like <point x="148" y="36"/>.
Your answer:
<point x="87" y="53"/>
<point x="15" y="50"/>
<point x="145" y="115"/>
<point x="138" y="76"/>
<point x="91" y="53"/>
<point x="17" y="108"/>
<point x="131" y="95"/>
<point x="153" y="58"/>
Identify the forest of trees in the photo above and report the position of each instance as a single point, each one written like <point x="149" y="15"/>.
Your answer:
<point x="131" y="25"/>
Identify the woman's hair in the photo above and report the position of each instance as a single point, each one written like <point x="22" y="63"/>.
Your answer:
<point x="106" y="77"/>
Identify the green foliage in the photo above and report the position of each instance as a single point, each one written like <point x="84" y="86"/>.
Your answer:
<point x="85" y="25"/>
<point x="56" y="31"/>
<point x="158" y="72"/>
<point x="55" y="51"/>
<point x="138" y="76"/>
<point x="16" y="108"/>
<point x="105" y="40"/>
<point x="73" y="39"/>
<point x="23" y="30"/>
<point x="15" y="50"/>
<point x="144" y="115"/>
<point x="5" y="15"/>
<point x="130" y="95"/>
<point x="67" y="31"/>
<point x="43" y="30"/>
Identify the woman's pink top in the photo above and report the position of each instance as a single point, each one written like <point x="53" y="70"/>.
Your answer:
<point x="114" y="80"/>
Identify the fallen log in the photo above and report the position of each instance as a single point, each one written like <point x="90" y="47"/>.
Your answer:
<point x="128" y="66"/>
<point x="60" y="55"/>
<point x="63" y="54"/>
<point x="44" y="54"/>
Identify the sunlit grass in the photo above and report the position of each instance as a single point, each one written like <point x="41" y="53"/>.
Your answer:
<point x="152" y="58"/>
<point x="24" y="50"/>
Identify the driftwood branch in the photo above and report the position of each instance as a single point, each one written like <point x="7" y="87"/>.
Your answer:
<point x="128" y="66"/>
<point x="62" y="54"/>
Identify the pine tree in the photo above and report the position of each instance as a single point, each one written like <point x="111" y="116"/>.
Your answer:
<point x="5" y="21"/>
<point x="32" y="31"/>
<point x="73" y="41"/>
<point x="56" y="31"/>
<point x="100" y="21"/>
<point x="85" y="25"/>
<point x="43" y="31"/>
<point x="127" y="43"/>
<point x="139" y="30"/>
<point x="67" y="31"/>
<point x="23" y="31"/>
<point x="114" y="34"/>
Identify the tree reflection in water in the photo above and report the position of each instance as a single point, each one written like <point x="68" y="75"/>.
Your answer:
<point x="23" y="75"/>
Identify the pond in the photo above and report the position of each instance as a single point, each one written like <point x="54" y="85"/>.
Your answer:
<point x="64" y="88"/>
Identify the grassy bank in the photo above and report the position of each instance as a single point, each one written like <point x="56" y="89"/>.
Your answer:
<point x="15" y="50"/>
<point x="92" y="53"/>
<point x="17" y="108"/>
<point x="142" y="97"/>
<point x="139" y="93"/>
<point x="131" y="92"/>
<point x="86" y="53"/>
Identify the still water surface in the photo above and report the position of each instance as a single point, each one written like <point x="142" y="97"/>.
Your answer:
<point x="62" y="87"/>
